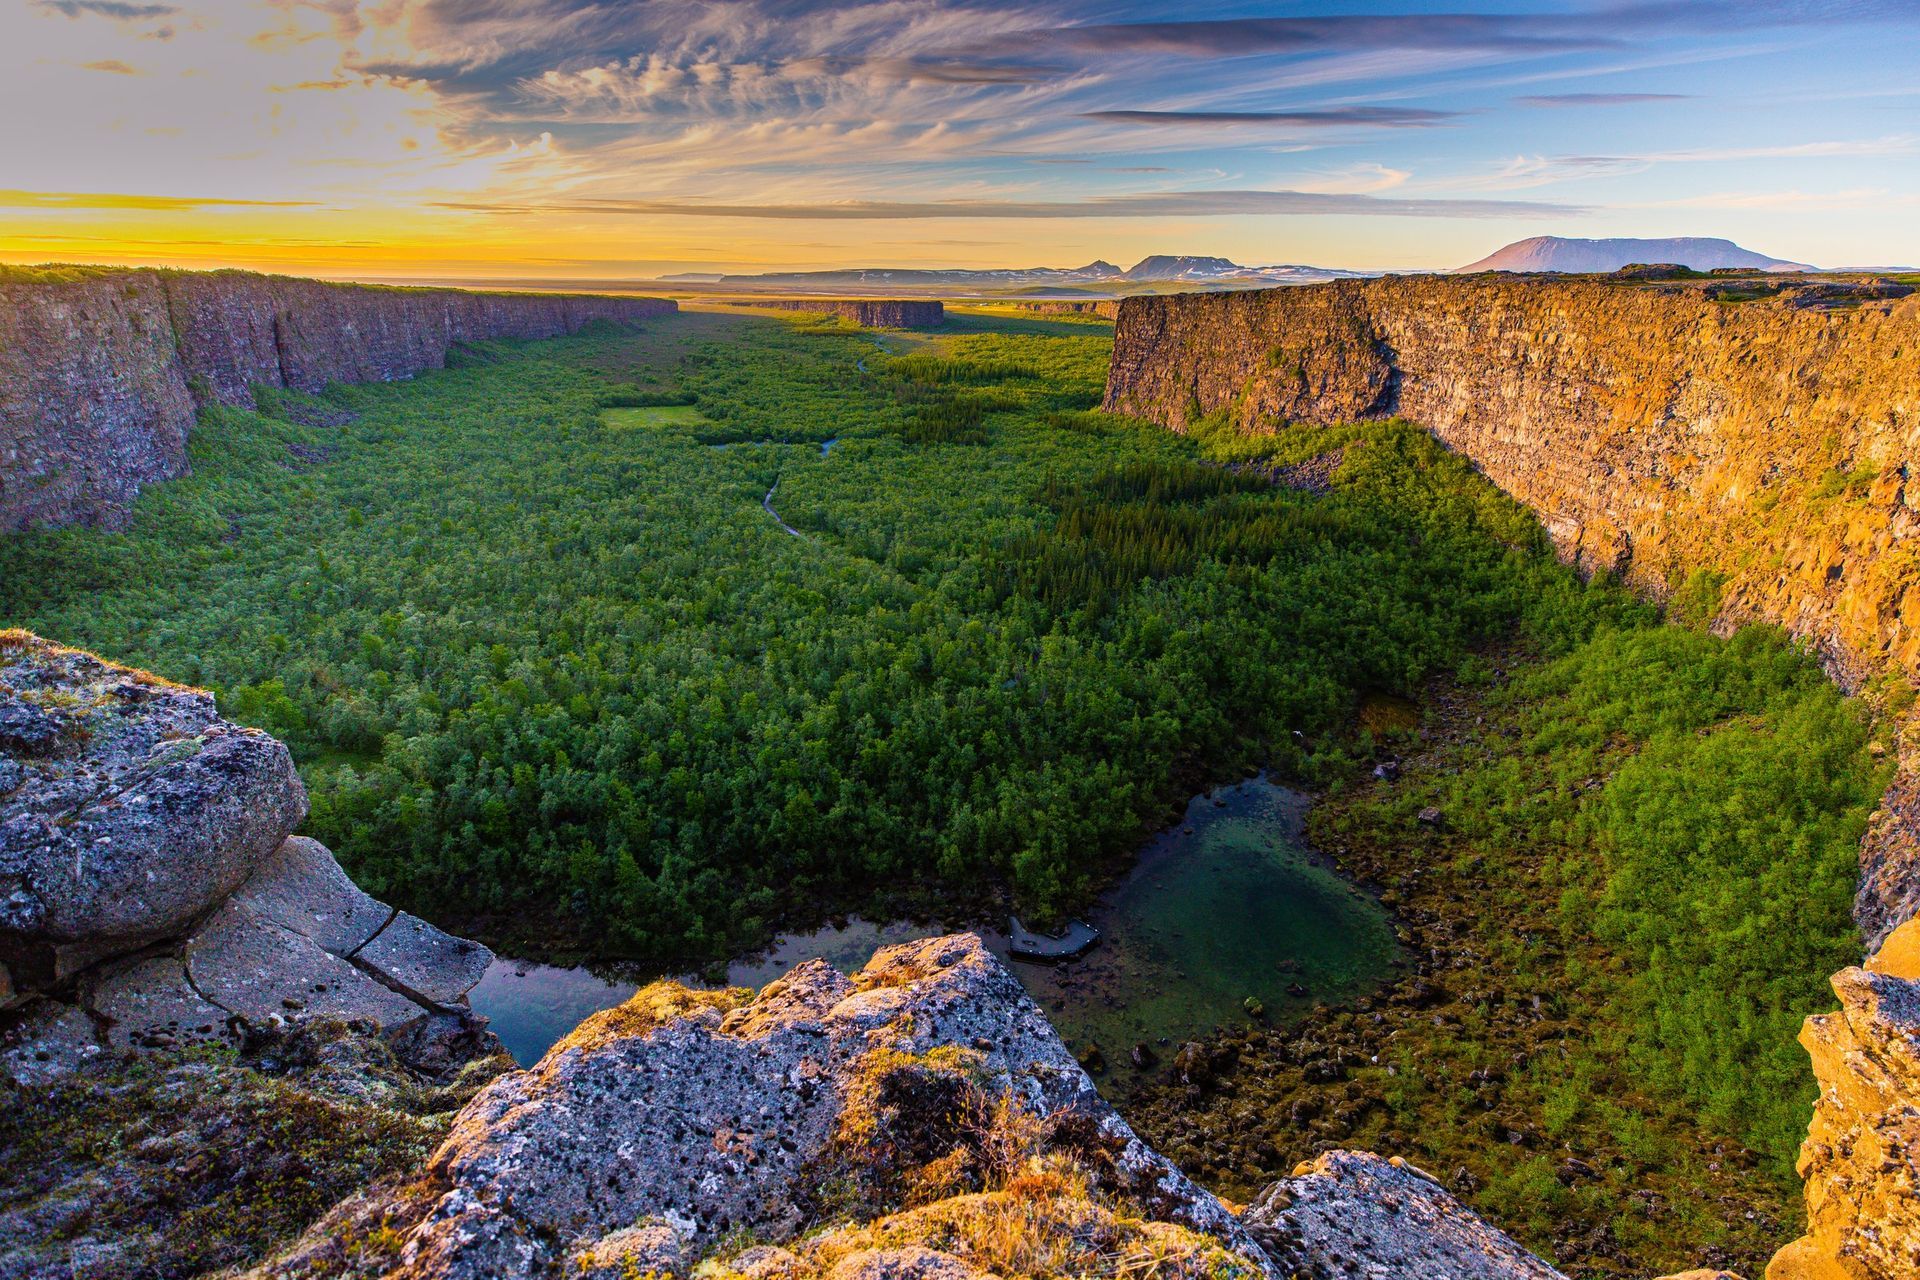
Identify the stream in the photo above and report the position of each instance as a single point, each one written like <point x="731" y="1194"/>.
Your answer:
<point x="1225" y="907"/>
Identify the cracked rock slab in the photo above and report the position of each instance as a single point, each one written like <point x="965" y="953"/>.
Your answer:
<point x="258" y="970"/>
<point x="302" y="888"/>
<point x="428" y="963"/>
<point x="1352" y="1214"/>
<point x="150" y="1004"/>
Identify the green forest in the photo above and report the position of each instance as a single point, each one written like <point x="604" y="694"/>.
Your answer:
<point x="553" y="669"/>
<point x="547" y="660"/>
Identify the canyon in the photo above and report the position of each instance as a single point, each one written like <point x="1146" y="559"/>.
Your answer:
<point x="102" y="371"/>
<point x="1661" y="432"/>
<point x="1757" y="443"/>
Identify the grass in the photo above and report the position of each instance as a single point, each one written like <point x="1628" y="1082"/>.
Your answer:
<point x="660" y="416"/>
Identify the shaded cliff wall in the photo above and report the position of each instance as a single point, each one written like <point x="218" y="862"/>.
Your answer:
<point x="1655" y="431"/>
<point x="871" y="313"/>
<point x="101" y="372"/>
<point x="1106" y="307"/>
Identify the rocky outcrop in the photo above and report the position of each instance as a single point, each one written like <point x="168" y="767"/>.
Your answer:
<point x="1861" y="1159"/>
<point x="923" y="1105"/>
<point x="1349" y="1213"/>
<point x="102" y="371"/>
<point x="868" y="313"/>
<point x="1657" y="430"/>
<point x="699" y="1116"/>
<point x="152" y="894"/>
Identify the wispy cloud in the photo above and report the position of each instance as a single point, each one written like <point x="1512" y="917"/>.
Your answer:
<point x="1331" y="118"/>
<point x="146" y="203"/>
<point x="1598" y="99"/>
<point x="112" y="66"/>
<point x="1245" y="37"/>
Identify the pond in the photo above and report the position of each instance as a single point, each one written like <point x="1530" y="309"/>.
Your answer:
<point x="1226" y="906"/>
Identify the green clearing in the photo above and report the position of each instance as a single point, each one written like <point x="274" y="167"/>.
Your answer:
<point x="553" y="673"/>
<point x="670" y="415"/>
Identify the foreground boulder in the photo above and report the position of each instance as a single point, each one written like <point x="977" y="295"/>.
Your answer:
<point x="152" y="895"/>
<point x="686" y="1118"/>
<point x="130" y="808"/>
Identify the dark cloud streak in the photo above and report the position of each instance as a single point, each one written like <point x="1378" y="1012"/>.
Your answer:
<point x="1331" y="118"/>
<point x="112" y="9"/>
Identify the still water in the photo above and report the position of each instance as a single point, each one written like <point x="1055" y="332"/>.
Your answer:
<point x="1224" y="907"/>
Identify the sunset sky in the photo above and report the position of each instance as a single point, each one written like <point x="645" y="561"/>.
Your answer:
<point x="579" y="140"/>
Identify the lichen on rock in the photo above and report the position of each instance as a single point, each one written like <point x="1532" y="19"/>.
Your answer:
<point x="928" y="1076"/>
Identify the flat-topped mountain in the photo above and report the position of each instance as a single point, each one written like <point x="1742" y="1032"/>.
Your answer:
<point x="1560" y="253"/>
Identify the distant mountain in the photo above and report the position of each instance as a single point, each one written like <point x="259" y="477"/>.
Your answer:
<point x="1096" y="277"/>
<point x="1557" y="253"/>
<point x="1165" y="266"/>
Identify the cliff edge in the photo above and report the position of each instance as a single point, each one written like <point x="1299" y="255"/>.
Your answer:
<point x="102" y="371"/>
<point x="204" y="1023"/>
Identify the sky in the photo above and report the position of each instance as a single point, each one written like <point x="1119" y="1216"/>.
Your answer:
<point x="600" y="140"/>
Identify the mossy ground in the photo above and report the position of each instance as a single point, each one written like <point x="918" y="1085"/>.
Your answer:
<point x="167" y="1166"/>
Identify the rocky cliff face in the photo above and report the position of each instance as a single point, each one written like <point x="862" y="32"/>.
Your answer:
<point x="152" y="894"/>
<point x="1656" y="431"/>
<point x="1105" y="308"/>
<point x="101" y="374"/>
<point x="901" y="313"/>
<point x="1861" y="1159"/>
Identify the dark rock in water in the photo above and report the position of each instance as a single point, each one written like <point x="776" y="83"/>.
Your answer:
<point x="1076" y="939"/>
<point x="1194" y="1063"/>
